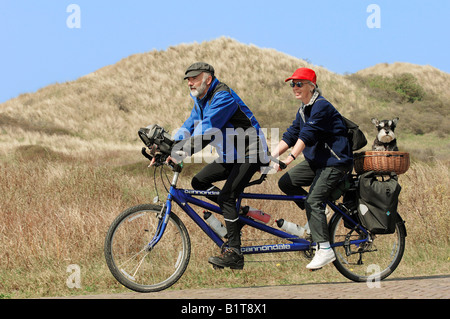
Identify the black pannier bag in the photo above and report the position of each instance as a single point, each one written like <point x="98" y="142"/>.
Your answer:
<point x="377" y="202"/>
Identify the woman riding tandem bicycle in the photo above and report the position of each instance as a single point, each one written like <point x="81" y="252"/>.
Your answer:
<point x="320" y="133"/>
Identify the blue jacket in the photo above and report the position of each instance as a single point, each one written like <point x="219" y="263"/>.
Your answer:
<point x="222" y="119"/>
<point x="321" y="127"/>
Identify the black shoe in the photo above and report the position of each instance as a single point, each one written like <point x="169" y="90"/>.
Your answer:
<point x="229" y="258"/>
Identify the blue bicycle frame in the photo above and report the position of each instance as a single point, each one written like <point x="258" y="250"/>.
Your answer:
<point x="184" y="197"/>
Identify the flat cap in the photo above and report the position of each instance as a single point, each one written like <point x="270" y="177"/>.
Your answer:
<point x="197" y="68"/>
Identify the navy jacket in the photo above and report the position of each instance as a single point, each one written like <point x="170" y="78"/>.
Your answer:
<point x="321" y="127"/>
<point x="222" y="119"/>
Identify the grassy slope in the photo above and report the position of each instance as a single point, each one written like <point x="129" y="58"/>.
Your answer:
<point x="104" y="109"/>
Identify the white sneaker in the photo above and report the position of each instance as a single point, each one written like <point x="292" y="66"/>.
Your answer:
<point x="321" y="258"/>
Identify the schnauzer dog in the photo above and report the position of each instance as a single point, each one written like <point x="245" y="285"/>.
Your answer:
<point x="386" y="139"/>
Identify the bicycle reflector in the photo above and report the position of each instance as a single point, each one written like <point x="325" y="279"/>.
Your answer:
<point x="155" y="134"/>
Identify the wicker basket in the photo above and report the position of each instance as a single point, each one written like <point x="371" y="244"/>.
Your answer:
<point x="381" y="162"/>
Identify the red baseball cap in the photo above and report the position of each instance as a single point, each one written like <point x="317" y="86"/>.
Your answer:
<point x="303" y="74"/>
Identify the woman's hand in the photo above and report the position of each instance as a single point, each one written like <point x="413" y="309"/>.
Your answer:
<point x="277" y="167"/>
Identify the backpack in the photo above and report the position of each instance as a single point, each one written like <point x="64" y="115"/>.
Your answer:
<point x="377" y="202"/>
<point x="355" y="135"/>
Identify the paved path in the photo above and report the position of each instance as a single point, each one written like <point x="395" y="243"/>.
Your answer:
<point x="431" y="287"/>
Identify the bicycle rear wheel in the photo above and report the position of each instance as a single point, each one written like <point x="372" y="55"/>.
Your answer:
<point x="373" y="260"/>
<point x="132" y="263"/>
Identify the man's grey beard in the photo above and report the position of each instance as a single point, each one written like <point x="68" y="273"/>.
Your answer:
<point x="200" y="90"/>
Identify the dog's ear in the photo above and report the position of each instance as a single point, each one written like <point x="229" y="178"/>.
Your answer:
<point x="375" y="121"/>
<point x="395" y="120"/>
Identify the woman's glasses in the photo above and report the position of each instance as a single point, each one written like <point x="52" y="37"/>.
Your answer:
<point x="298" y="84"/>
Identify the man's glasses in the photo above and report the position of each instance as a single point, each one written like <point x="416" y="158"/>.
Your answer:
<point x="298" y="84"/>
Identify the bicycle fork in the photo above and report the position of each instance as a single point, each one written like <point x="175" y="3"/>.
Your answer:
<point x="163" y="217"/>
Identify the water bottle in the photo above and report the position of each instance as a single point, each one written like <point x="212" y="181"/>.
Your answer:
<point x="215" y="224"/>
<point x="256" y="214"/>
<point x="291" y="228"/>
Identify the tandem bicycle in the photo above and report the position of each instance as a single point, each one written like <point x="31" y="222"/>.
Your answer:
<point x="147" y="247"/>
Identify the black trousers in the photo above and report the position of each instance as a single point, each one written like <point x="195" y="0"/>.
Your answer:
<point x="237" y="176"/>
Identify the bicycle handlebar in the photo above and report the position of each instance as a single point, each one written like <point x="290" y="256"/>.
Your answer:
<point x="275" y="160"/>
<point x="160" y="158"/>
<point x="264" y="175"/>
<point x="146" y="155"/>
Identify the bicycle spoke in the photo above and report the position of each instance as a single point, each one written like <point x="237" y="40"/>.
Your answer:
<point x="131" y="258"/>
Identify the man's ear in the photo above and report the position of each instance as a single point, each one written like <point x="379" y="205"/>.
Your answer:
<point x="210" y="79"/>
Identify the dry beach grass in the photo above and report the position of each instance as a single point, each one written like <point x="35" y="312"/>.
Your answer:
<point x="56" y="213"/>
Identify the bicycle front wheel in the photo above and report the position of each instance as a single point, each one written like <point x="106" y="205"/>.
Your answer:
<point x="373" y="260"/>
<point x="128" y="255"/>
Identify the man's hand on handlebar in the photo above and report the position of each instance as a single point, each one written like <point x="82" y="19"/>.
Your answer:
<point x="152" y="162"/>
<point x="156" y="157"/>
<point x="169" y="161"/>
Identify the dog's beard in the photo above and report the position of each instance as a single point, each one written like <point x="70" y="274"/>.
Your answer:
<point x="386" y="138"/>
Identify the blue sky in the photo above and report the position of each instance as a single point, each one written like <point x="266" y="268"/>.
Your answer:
<point x="38" y="48"/>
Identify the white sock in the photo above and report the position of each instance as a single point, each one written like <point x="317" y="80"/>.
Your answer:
<point x="324" y="245"/>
